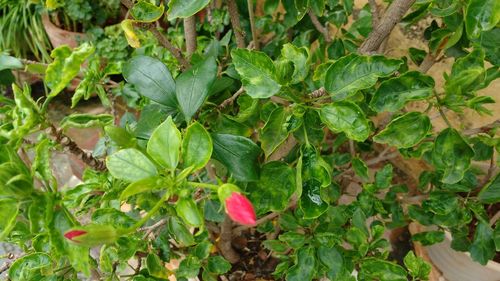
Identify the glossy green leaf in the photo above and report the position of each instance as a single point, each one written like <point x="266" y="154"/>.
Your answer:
<point x="360" y="168"/>
<point x="405" y="131"/>
<point x="332" y="259"/>
<point x="30" y="267"/>
<point x="9" y="209"/>
<point x="274" y="131"/>
<point x="346" y="117"/>
<point x="143" y="185"/>
<point x="427" y="238"/>
<point x="490" y="193"/>
<point x="230" y="150"/>
<point x="300" y="59"/>
<point x="197" y="147"/>
<point x="120" y="136"/>
<point x="272" y="192"/>
<point x="8" y="62"/>
<point x="155" y="267"/>
<point x="305" y="266"/>
<point x="180" y="233"/>
<point x="83" y="120"/>
<point x="41" y="164"/>
<point x="452" y="155"/>
<point x="193" y="86"/>
<point x="466" y="73"/>
<point x="310" y="202"/>
<point x="481" y="15"/>
<point x="151" y="79"/>
<point x="383" y="177"/>
<point x="130" y="165"/>
<point x="377" y="269"/>
<point x="144" y="11"/>
<point x="483" y="247"/>
<point x="218" y="265"/>
<point x="186" y="209"/>
<point x="165" y="144"/>
<point x="257" y="71"/>
<point x="353" y="73"/>
<point x="185" y="8"/>
<point x="395" y="93"/>
<point x="417" y="267"/>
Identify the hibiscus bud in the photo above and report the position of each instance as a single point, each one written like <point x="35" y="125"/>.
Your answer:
<point x="92" y="235"/>
<point x="237" y="206"/>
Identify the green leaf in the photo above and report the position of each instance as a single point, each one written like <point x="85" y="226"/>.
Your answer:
<point x="30" y="267"/>
<point x="272" y="193"/>
<point x="8" y="62"/>
<point x="130" y="165"/>
<point x="9" y="209"/>
<point x="417" y="267"/>
<point x="155" y="267"/>
<point x="405" y="131"/>
<point x="383" y="177"/>
<point x="481" y="15"/>
<point x="360" y="168"/>
<point x="41" y="164"/>
<point x="300" y="59"/>
<point x="193" y="86"/>
<point x="274" y="131"/>
<point x="143" y="185"/>
<point x="186" y="209"/>
<point x="377" y="269"/>
<point x="395" y="93"/>
<point x="151" y="79"/>
<point x="144" y="11"/>
<point x="165" y="144"/>
<point x="197" y="147"/>
<point x="466" y="73"/>
<point x="185" y="8"/>
<point x="82" y="120"/>
<point x="427" y="238"/>
<point x="120" y="136"/>
<point x="353" y="73"/>
<point x="180" y="233"/>
<point x="275" y="246"/>
<point x="490" y="193"/>
<point x="346" y="117"/>
<point x="483" y="247"/>
<point x="305" y="266"/>
<point x="332" y="259"/>
<point x="230" y="150"/>
<point x="129" y="31"/>
<point x="218" y="265"/>
<point x="257" y="71"/>
<point x="310" y="202"/>
<point x="66" y="66"/>
<point x="112" y="217"/>
<point x="452" y="155"/>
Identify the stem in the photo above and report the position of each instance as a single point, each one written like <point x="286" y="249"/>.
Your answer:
<point x="317" y="24"/>
<point x="148" y="215"/>
<point x="169" y="46"/>
<point x="252" y="24"/>
<point x="190" y="34"/>
<point x="441" y="112"/>
<point x="235" y="22"/>
<point x="231" y="99"/>
<point x="391" y="17"/>
<point x="226" y="237"/>
<point x="204" y="185"/>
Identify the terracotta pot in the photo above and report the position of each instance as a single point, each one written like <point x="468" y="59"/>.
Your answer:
<point x="458" y="266"/>
<point x="60" y="36"/>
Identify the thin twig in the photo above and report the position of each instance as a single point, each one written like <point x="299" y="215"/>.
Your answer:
<point x="169" y="46"/>
<point x="231" y="99"/>
<point x="235" y="22"/>
<point x="317" y="24"/>
<point x="151" y="228"/>
<point x="262" y="220"/>
<point x="391" y="17"/>
<point x="225" y="242"/>
<point x="483" y="129"/>
<point x="252" y="25"/>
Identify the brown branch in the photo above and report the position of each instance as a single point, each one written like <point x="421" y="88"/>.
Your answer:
<point x="169" y="46"/>
<point x="235" y="22"/>
<point x="252" y="25"/>
<point x="262" y="220"/>
<point x="483" y="129"/>
<point x="190" y="34"/>
<point x="375" y="13"/>
<point x="69" y="145"/>
<point x="227" y="102"/>
<point x="322" y="29"/>
<point x="427" y="63"/>
<point x="225" y="243"/>
<point x="391" y="17"/>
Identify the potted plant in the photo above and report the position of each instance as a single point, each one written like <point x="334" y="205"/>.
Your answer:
<point x="285" y="158"/>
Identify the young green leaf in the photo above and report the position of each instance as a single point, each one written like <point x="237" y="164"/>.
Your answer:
<point x="257" y="71"/>
<point x="143" y="185"/>
<point x="185" y="8"/>
<point x="417" y="267"/>
<point x="481" y="15"/>
<point x="393" y="94"/>
<point x="144" y="11"/>
<point x="346" y="117"/>
<point x="452" y="155"/>
<point x="197" y="147"/>
<point x="165" y="144"/>
<point x="405" y="131"/>
<point x="353" y="73"/>
<point x="300" y="59"/>
<point x="130" y="165"/>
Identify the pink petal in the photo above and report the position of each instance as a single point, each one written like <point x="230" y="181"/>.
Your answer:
<point x="240" y="209"/>
<point x="74" y="233"/>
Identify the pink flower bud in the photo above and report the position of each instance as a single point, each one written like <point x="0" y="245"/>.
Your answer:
<point x="240" y="209"/>
<point x="92" y="235"/>
<point x="72" y="234"/>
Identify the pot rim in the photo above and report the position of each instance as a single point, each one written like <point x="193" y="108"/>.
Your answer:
<point x="493" y="265"/>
